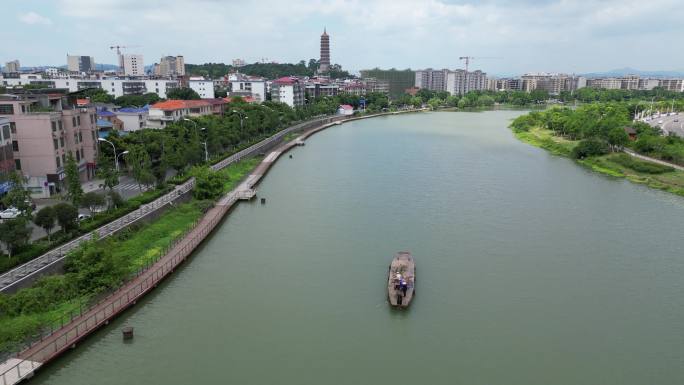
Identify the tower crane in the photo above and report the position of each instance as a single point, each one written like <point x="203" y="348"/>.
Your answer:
<point x="469" y="58"/>
<point x="118" y="54"/>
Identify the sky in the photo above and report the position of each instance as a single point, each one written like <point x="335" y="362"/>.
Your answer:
<point x="506" y="37"/>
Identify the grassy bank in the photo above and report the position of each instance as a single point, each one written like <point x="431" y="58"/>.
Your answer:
<point x="617" y="165"/>
<point x="99" y="266"/>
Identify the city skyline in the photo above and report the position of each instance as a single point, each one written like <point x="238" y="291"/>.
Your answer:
<point x="551" y="36"/>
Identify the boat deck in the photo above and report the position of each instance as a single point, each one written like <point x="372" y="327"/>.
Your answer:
<point x="404" y="265"/>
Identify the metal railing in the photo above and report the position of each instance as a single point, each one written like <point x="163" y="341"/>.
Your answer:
<point x="37" y="265"/>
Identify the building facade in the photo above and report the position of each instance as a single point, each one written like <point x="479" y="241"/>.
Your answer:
<point x="46" y="130"/>
<point x="163" y="113"/>
<point x="133" y="119"/>
<point x="76" y="63"/>
<point x="6" y="153"/>
<point x="288" y="90"/>
<point x="434" y="80"/>
<point x="12" y="66"/>
<point x="398" y="81"/>
<point x="460" y="82"/>
<point x="114" y="86"/>
<point x="203" y="87"/>
<point x="243" y="85"/>
<point x="170" y="66"/>
<point x="133" y="65"/>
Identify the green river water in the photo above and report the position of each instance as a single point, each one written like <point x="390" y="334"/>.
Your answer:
<point x="530" y="270"/>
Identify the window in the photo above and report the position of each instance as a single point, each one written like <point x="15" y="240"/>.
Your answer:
<point x="6" y="109"/>
<point x="78" y="156"/>
<point x="61" y="141"/>
<point x="63" y="158"/>
<point x="17" y="164"/>
<point x="6" y="131"/>
<point x="80" y="137"/>
<point x="82" y="157"/>
<point x="55" y="143"/>
<point x="93" y="133"/>
<point x="23" y="108"/>
<point x="59" y="123"/>
<point x="59" y="164"/>
<point x="75" y="138"/>
<point x="141" y="124"/>
<point x="13" y="127"/>
<point x="54" y="126"/>
<point x="15" y="145"/>
<point x="78" y="120"/>
<point x="73" y="121"/>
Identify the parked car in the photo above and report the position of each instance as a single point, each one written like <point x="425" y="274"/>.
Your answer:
<point x="10" y="213"/>
<point x="83" y="217"/>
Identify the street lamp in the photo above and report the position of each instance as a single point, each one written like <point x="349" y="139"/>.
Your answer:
<point x="206" y="152"/>
<point x="116" y="163"/>
<point x="242" y="118"/>
<point x="120" y="155"/>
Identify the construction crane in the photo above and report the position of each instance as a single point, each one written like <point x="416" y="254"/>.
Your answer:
<point x="469" y="58"/>
<point x="119" y="56"/>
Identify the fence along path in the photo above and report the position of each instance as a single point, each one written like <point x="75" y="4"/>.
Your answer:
<point x="32" y="269"/>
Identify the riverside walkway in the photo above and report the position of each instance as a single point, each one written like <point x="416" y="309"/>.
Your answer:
<point x="78" y="326"/>
<point x="30" y="271"/>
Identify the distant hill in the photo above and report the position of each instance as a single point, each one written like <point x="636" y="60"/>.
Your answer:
<point x="631" y="71"/>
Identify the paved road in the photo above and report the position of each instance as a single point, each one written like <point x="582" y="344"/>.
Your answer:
<point x="670" y="124"/>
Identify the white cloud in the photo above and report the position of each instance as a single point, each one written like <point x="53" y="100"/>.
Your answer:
<point x="32" y="18"/>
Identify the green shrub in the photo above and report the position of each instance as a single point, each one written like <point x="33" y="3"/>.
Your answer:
<point x="590" y="147"/>
<point x="641" y="166"/>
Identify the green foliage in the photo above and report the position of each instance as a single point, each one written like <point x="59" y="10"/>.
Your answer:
<point x="45" y="218"/>
<point x="73" y="181"/>
<point x="137" y="100"/>
<point x="92" y="200"/>
<point x="106" y="171"/>
<point x="590" y="147"/>
<point x="208" y="183"/>
<point x="18" y="196"/>
<point x="182" y="93"/>
<point x="141" y="165"/>
<point x="267" y="70"/>
<point x="97" y="95"/>
<point x="641" y="166"/>
<point x="67" y="216"/>
<point x="14" y="234"/>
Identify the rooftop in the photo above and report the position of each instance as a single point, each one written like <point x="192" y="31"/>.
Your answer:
<point x="170" y="105"/>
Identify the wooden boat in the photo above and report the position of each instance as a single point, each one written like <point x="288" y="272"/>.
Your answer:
<point x="401" y="279"/>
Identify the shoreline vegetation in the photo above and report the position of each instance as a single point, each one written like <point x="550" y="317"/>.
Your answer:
<point x="99" y="266"/>
<point x="614" y="164"/>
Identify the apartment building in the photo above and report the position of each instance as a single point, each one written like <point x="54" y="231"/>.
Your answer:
<point x="170" y="66"/>
<point x="133" y="119"/>
<point x="434" y="80"/>
<point x="203" y="87"/>
<point x="114" y="86"/>
<point x="243" y="85"/>
<point x="76" y="63"/>
<point x="288" y="90"/>
<point x="45" y="129"/>
<point x="133" y="65"/>
<point x="460" y="82"/>
<point x="6" y="153"/>
<point x="163" y="113"/>
<point x="320" y="87"/>
<point x="12" y="66"/>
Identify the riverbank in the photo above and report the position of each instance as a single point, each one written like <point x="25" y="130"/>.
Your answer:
<point x="618" y="165"/>
<point x="77" y="326"/>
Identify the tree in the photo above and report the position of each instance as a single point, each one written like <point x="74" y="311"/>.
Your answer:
<point x="115" y="199"/>
<point x="18" y="196"/>
<point x="141" y="166"/>
<point x="589" y="147"/>
<point x="73" y="181"/>
<point x="617" y="137"/>
<point x="92" y="200"/>
<point x="208" y="183"/>
<point x="45" y="218"/>
<point x="67" y="216"/>
<point x="182" y="93"/>
<point x="14" y="233"/>
<point x="107" y="172"/>
<point x="434" y="103"/>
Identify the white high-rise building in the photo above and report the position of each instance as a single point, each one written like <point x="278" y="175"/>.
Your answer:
<point x="133" y="65"/>
<point x="460" y="82"/>
<point x="170" y="66"/>
<point x="11" y="66"/>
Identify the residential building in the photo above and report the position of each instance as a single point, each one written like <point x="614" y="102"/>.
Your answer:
<point x="6" y="153"/>
<point x="320" y="87"/>
<point x="243" y="85"/>
<point x="434" y="80"/>
<point x="345" y="109"/>
<point x="398" y="81"/>
<point x="163" y="113"/>
<point x="605" y="83"/>
<point x="574" y="83"/>
<point x="114" y="86"/>
<point x="672" y="85"/>
<point x="551" y="83"/>
<point x="510" y="84"/>
<point x="133" y="65"/>
<point x="460" y="82"/>
<point x="218" y="106"/>
<point x="324" y="63"/>
<point x="648" y="84"/>
<point x="11" y="67"/>
<point x="170" y="66"/>
<point x="76" y="63"/>
<point x="46" y="129"/>
<point x="364" y="86"/>
<point x="237" y="63"/>
<point x="288" y="90"/>
<point x="203" y="87"/>
<point x="133" y="119"/>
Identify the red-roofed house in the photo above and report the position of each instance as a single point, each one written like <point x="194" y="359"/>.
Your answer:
<point x="218" y="106"/>
<point x="288" y="90"/>
<point x="169" y="111"/>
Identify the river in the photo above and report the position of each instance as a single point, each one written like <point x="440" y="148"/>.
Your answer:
<point x="530" y="270"/>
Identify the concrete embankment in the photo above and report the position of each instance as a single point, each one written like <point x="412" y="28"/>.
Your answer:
<point x="25" y="363"/>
